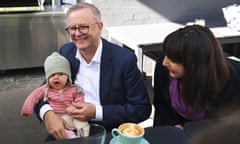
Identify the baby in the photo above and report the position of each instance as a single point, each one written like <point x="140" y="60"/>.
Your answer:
<point x="59" y="93"/>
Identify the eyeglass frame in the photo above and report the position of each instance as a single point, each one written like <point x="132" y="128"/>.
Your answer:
<point x="78" y="27"/>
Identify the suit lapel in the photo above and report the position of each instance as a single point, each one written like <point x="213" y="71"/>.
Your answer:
<point x="105" y="72"/>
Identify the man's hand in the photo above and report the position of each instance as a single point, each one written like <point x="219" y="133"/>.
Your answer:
<point x="56" y="126"/>
<point x="82" y="111"/>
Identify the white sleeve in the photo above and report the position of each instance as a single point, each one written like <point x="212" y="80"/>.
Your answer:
<point x="44" y="109"/>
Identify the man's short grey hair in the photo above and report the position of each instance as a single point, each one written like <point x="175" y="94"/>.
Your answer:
<point x="95" y="10"/>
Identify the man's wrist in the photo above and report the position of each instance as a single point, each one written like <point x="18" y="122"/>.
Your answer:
<point x="44" y="109"/>
<point x="99" y="112"/>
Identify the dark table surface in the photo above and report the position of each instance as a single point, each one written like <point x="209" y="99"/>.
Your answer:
<point x="163" y="134"/>
<point x="166" y="135"/>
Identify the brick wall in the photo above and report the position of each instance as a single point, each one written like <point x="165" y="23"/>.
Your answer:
<point x="126" y="12"/>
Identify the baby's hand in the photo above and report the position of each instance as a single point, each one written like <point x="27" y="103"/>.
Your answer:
<point x="70" y="109"/>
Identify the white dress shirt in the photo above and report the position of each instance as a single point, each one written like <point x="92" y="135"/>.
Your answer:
<point x="88" y="78"/>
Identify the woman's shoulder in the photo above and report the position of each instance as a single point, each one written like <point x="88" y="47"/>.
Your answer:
<point x="234" y="63"/>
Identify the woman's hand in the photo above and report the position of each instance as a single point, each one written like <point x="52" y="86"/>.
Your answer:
<point x="56" y="126"/>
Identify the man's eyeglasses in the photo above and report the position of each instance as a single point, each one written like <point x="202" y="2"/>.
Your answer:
<point x="81" y="28"/>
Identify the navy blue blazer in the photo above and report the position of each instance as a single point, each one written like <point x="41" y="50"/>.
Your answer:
<point x="123" y="95"/>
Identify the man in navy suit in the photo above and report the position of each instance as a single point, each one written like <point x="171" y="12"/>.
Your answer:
<point x="112" y="84"/>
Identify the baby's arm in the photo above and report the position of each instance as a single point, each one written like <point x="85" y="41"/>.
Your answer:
<point x="78" y="96"/>
<point x="32" y="100"/>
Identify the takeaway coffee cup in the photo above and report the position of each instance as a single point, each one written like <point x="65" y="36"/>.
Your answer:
<point x="128" y="133"/>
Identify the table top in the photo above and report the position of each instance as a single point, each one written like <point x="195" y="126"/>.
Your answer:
<point x="162" y="134"/>
<point x="135" y="35"/>
<point x="223" y="32"/>
<point x="166" y="135"/>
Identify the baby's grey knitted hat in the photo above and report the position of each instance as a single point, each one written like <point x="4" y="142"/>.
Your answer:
<point x="56" y="63"/>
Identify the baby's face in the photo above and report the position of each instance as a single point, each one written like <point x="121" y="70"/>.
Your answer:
<point x="58" y="81"/>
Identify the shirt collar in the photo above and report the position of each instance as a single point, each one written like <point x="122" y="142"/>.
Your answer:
<point x="97" y="56"/>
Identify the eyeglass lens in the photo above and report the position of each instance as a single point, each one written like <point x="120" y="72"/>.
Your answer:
<point x="81" y="29"/>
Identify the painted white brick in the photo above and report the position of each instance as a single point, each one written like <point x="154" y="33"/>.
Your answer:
<point x="126" y="12"/>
